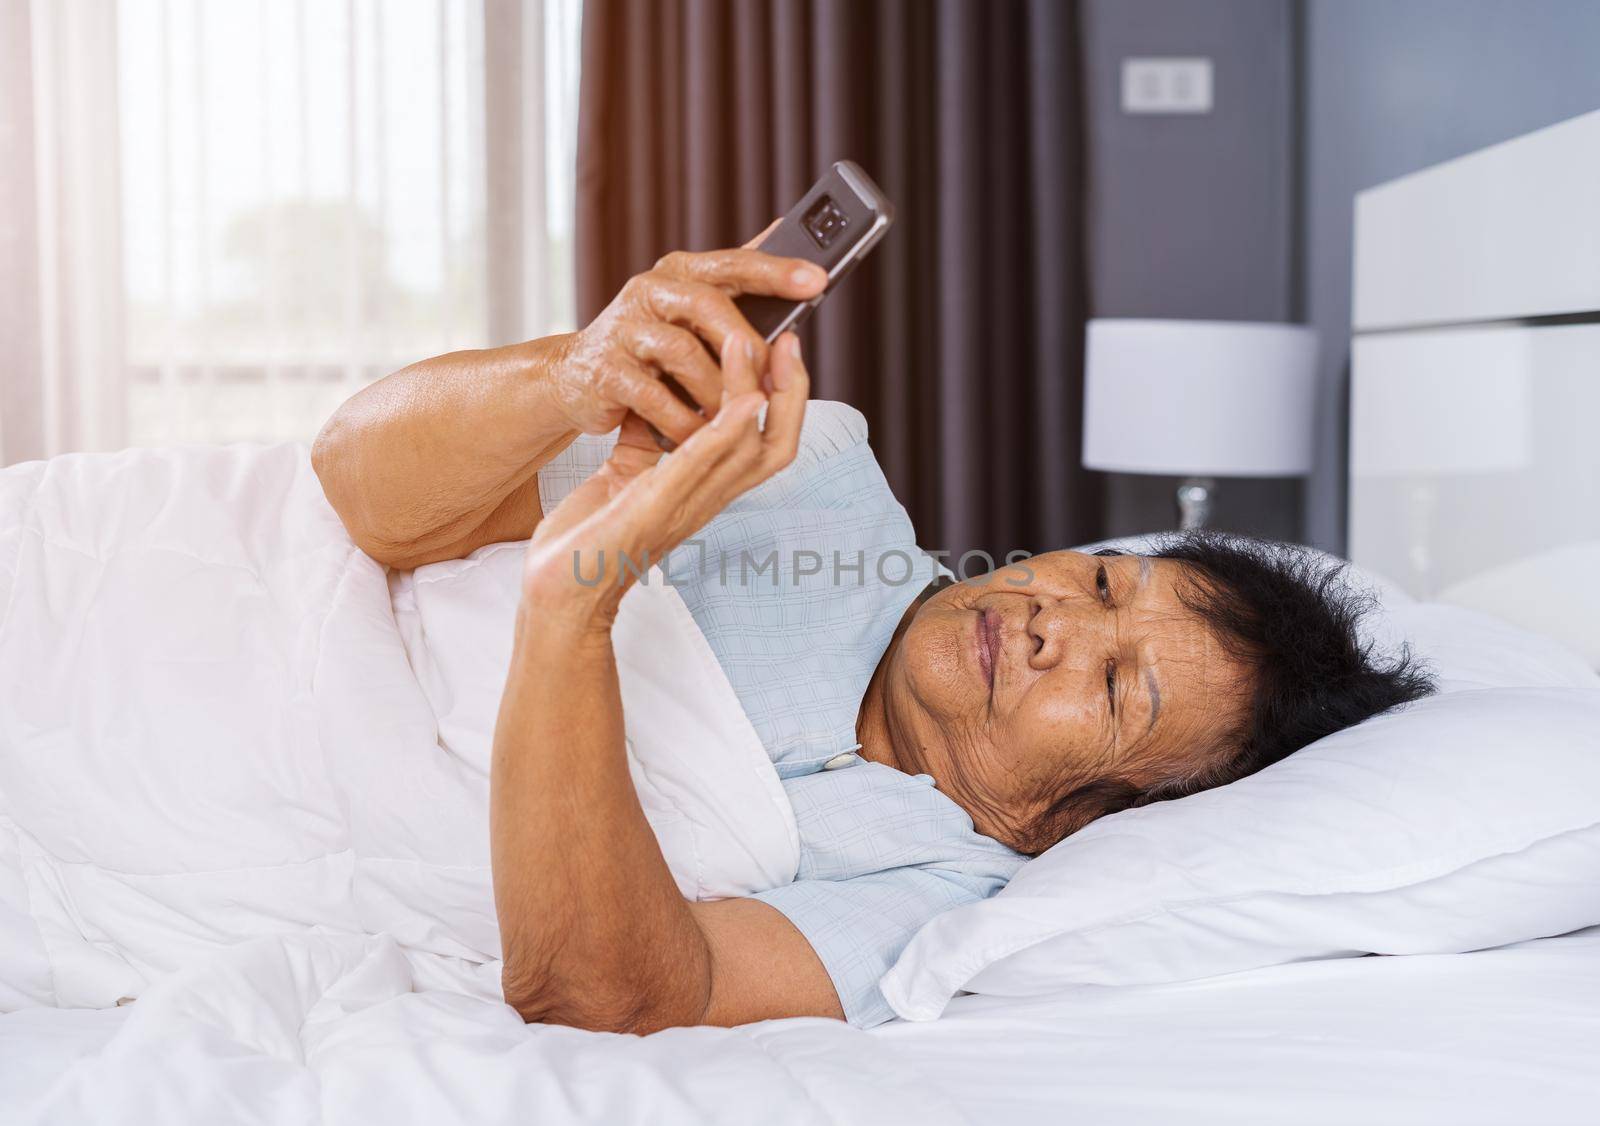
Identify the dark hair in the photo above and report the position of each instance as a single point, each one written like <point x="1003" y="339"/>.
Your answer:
<point x="1291" y="616"/>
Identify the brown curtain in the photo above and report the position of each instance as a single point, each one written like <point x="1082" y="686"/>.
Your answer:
<point x="961" y="338"/>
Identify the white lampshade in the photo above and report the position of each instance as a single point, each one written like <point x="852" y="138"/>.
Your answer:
<point x="1199" y="398"/>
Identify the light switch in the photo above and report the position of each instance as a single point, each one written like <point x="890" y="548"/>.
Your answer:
<point x="1166" y="85"/>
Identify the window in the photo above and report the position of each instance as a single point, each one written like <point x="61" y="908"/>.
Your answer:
<point x="296" y="200"/>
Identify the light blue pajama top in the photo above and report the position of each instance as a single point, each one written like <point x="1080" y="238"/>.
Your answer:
<point x="798" y="587"/>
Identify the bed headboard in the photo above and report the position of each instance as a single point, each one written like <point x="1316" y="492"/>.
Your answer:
<point x="1475" y="381"/>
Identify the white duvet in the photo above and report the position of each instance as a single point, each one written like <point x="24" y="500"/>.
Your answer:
<point x="239" y="779"/>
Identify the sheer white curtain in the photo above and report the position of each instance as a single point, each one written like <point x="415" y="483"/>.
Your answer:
<point x="220" y="217"/>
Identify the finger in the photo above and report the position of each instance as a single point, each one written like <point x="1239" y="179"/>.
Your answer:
<point x="680" y="354"/>
<point x="636" y="451"/>
<point x="748" y="271"/>
<point x="786" y="406"/>
<point x="739" y="371"/>
<point x="756" y="242"/>
<point x="635" y="434"/>
<point x="705" y="309"/>
<point x="737" y="443"/>
<point x="686" y="482"/>
<point x="626" y="382"/>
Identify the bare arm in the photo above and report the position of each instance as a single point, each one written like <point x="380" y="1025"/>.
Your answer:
<point x="594" y="930"/>
<point x="442" y="457"/>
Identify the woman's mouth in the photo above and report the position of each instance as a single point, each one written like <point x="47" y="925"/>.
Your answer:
<point x="988" y="641"/>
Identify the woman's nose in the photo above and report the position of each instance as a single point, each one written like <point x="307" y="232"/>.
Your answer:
<point x="1059" y="625"/>
<point x="1046" y="626"/>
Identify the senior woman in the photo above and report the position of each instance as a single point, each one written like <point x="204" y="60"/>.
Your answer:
<point x="930" y="735"/>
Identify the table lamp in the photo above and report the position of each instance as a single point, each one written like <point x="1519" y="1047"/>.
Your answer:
<point x="1199" y="400"/>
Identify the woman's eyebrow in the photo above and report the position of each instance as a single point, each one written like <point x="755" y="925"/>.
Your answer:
<point x="1155" y="698"/>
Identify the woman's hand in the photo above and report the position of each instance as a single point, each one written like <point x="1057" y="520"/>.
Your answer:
<point x="442" y="457"/>
<point x="580" y="884"/>
<point x="641" y="503"/>
<point x="661" y="323"/>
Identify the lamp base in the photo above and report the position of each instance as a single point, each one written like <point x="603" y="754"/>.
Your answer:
<point x="1194" y="502"/>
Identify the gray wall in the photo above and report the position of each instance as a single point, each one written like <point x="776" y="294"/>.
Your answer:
<point x="1194" y="216"/>
<point x="1245" y="213"/>
<point x="1396" y="85"/>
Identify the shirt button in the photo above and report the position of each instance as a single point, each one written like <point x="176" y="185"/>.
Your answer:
<point x="838" y="761"/>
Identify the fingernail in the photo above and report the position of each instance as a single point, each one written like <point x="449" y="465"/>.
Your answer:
<point x="779" y="374"/>
<point x="808" y="275"/>
<point x="783" y="375"/>
<point x="750" y="349"/>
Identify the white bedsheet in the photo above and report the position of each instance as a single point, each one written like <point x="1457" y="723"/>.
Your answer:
<point x="281" y="1034"/>
<point x="1501" y="1036"/>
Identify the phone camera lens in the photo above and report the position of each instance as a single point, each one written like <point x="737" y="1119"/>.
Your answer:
<point x="823" y="221"/>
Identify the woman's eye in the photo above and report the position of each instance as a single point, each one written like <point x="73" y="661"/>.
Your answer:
<point x="1111" y="685"/>
<point x="1102" y="584"/>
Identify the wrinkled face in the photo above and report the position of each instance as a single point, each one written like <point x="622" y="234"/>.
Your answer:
<point x="1018" y="686"/>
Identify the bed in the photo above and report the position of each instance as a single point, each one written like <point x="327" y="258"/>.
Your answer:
<point x="339" y="1026"/>
<point x="1497" y="1036"/>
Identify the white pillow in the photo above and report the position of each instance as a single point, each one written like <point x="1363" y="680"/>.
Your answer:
<point x="1465" y="649"/>
<point x="1467" y="820"/>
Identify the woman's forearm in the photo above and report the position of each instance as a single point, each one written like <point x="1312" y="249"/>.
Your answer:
<point x="441" y="457"/>
<point x="593" y="928"/>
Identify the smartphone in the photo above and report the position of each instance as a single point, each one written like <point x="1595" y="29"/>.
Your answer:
<point x="839" y="219"/>
<point x="835" y="224"/>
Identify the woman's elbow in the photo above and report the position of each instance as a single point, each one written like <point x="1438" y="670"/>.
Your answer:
<point x="540" y="1008"/>
<point x="333" y="460"/>
<point x="587" y="1016"/>
<point x="594" y="1008"/>
<point x="331" y="454"/>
